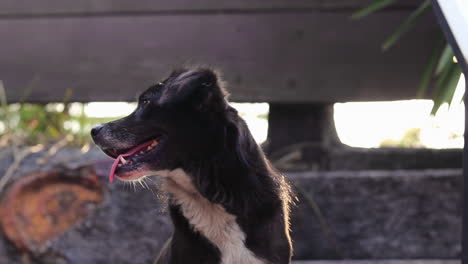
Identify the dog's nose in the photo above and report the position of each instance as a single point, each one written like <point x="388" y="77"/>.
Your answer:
<point x="96" y="130"/>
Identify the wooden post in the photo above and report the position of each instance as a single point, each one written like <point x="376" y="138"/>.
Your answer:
<point x="301" y="132"/>
<point x="453" y="13"/>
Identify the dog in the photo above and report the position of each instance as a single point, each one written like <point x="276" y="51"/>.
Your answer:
<point x="227" y="203"/>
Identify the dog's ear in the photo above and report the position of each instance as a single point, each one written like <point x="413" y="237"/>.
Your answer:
<point x="199" y="87"/>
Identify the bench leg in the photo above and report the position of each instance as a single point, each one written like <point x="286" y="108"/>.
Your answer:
<point x="305" y="130"/>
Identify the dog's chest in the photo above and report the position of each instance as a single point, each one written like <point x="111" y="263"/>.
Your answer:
<point x="211" y="220"/>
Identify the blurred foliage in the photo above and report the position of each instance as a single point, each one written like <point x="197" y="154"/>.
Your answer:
<point x="442" y="72"/>
<point x="411" y="139"/>
<point x="36" y="123"/>
<point x="45" y="123"/>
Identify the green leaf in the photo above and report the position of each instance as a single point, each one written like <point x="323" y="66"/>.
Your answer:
<point x="451" y="85"/>
<point x="439" y="89"/>
<point x="428" y="72"/>
<point x="375" y="6"/>
<point x="406" y="25"/>
<point x="446" y="86"/>
<point x="445" y="59"/>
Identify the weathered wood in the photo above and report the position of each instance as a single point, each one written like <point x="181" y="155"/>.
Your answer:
<point x="332" y="4"/>
<point x="393" y="159"/>
<point x="309" y="126"/>
<point x="13" y="8"/>
<point x="395" y="214"/>
<point x="274" y="57"/>
<point x="314" y="153"/>
<point x="379" y="261"/>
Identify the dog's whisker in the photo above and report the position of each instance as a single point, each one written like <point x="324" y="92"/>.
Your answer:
<point x="148" y="187"/>
<point x="146" y="184"/>
<point x="140" y="182"/>
<point x="122" y="186"/>
<point x="149" y="179"/>
<point x="128" y="186"/>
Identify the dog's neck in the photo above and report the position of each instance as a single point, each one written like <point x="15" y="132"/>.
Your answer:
<point x="204" y="226"/>
<point x="211" y="220"/>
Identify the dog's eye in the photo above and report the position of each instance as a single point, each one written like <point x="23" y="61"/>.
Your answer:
<point x="145" y="102"/>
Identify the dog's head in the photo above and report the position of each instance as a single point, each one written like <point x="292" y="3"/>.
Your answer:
<point x="176" y="120"/>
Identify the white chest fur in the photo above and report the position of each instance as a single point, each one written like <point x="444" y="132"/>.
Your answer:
<point x="210" y="219"/>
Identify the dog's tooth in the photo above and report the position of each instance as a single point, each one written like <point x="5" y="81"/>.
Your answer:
<point x="120" y="165"/>
<point x="122" y="160"/>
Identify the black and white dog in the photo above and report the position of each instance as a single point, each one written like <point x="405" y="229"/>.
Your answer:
<point x="227" y="203"/>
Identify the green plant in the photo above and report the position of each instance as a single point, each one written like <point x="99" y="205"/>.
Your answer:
<point x="44" y="123"/>
<point x="441" y="72"/>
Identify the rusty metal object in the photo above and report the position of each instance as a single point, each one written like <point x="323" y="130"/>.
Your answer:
<point x="41" y="206"/>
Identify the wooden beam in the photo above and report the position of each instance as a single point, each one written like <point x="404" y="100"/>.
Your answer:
<point x="379" y="261"/>
<point x="89" y="7"/>
<point x="273" y="57"/>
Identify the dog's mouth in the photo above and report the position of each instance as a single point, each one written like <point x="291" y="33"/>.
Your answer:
<point x="128" y="160"/>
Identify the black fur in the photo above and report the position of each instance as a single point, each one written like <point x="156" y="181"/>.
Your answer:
<point x="200" y="133"/>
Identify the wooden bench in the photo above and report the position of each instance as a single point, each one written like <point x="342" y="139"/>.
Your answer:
<point x="303" y="51"/>
<point x="300" y="56"/>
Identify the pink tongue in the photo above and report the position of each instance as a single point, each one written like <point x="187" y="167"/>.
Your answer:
<point x="129" y="153"/>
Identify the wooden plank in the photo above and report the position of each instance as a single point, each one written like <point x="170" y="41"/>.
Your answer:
<point x="412" y="261"/>
<point x="50" y="7"/>
<point x="339" y="4"/>
<point x="275" y="57"/>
